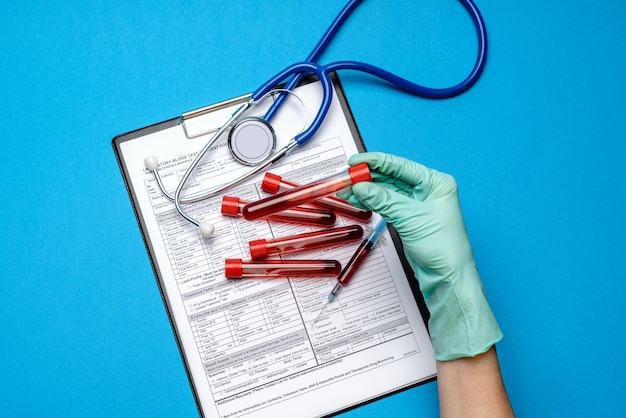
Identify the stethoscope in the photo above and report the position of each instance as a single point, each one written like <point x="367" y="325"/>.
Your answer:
<point x="244" y="129"/>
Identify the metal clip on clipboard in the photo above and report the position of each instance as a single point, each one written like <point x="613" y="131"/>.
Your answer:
<point x="214" y="114"/>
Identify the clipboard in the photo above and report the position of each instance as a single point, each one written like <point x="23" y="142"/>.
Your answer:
<point x="256" y="347"/>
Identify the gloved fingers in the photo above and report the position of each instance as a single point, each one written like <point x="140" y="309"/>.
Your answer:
<point x="414" y="220"/>
<point x="433" y="231"/>
<point x="393" y="183"/>
<point x="349" y="196"/>
<point x="396" y="208"/>
<point x="425" y="182"/>
<point x="393" y="166"/>
<point x="390" y="183"/>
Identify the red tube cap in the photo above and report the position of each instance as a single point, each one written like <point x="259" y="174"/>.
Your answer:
<point x="271" y="183"/>
<point x="233" y="268"/>
<point x="258" y="248"/>
<point x="230" y="205"/>
<point x="359" y="173"/>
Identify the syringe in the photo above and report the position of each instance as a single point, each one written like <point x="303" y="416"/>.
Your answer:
<point x="357" y="258"/>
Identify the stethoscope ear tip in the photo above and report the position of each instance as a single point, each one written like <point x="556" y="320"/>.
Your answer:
<point x="206" y="229"/>
<point x="151" y="162"/>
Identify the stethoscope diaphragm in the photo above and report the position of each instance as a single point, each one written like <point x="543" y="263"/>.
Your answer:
<point x="252" y="140"/>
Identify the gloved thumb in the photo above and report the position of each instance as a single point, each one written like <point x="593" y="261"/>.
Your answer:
<point x="380" y="198"/>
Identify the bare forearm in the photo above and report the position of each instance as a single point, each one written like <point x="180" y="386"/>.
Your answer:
<point x="472" y="387"/>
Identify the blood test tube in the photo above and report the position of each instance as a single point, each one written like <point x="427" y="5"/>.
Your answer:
<point x="306" y="193"/>
<point x="236" y="268"/>
<point x="262" y="248"/>
<point x="232" y="206"/>
<point x="273" y="183"/>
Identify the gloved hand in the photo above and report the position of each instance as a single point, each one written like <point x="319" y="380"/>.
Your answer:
<point x="423" y="206"/>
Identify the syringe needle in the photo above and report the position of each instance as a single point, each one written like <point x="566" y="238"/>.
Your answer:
<point x="331" y="297"/>
<point x="319" y="315"/>
<point x="351" y="267"/>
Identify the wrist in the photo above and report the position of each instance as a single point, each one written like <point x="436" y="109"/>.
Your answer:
<point x="461" y="322"/>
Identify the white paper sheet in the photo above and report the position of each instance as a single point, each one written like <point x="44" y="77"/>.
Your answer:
<point x="251" y="346"/>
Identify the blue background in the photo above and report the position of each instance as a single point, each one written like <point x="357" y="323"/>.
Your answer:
<point x="537" y="147"/>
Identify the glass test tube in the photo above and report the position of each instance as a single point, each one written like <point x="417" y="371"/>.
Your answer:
<point x="306" y="193"/>
<point x="274" y="269"/>
<point x="273" y="183"/>
<point x="262" y="248"/>
<point x="232" y="206"/>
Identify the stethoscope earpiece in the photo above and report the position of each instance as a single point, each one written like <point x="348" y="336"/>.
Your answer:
<point x="151" y="162"/>
<point x="206" y="229"/>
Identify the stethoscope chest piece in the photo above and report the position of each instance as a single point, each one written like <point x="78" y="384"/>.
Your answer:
<point x="252" y="140"/>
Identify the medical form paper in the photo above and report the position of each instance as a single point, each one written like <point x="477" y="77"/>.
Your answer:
<point x="255" y="347"/>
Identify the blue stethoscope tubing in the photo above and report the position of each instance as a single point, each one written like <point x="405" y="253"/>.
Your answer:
<point x="292" y="76"/>
<point x="298" y="70"/>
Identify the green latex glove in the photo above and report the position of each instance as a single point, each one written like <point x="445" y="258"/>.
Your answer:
<point x="423" y="206"/>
